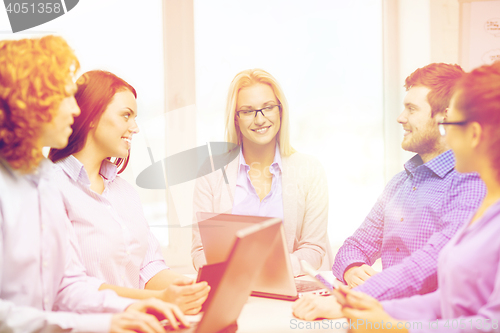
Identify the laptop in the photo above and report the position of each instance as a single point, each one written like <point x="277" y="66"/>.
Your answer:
<point x="275" y="280"/>
<point x="245" y="259"/>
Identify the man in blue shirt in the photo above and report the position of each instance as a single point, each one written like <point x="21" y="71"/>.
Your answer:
<point x="420" y="209"/>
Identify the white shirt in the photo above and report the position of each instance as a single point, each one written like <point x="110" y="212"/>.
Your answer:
<point x="40" y="271"/>
<point x="116" y="244"/>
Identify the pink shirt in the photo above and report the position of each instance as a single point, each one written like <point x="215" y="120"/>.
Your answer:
<point x="40" y="271"/>
<point x="246" y="199"/>
<point x="116" y="244"/>
<point x="468" y="297"/>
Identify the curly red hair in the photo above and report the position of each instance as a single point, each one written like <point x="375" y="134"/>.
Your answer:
<point x="34" y="74"/>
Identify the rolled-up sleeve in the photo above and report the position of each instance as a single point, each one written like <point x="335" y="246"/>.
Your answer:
<point x="153" y="261"/>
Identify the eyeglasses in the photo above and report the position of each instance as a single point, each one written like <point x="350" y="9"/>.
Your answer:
<point x="270" y="110"/>
<point x="442" y="125"/>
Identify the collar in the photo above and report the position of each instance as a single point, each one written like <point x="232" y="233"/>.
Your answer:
<point x="44" y="169"/>
<point x="440" y="165"/>
<point x="76" y="171"/>
<point x="275" y="165"/>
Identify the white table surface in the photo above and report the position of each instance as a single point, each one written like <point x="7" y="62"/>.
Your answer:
<point x="275" y="316"/>
<point x="271" y="315"/>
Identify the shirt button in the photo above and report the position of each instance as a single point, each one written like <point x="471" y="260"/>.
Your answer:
<point x="45" y="264"/>
<point x="46" y="300"/>
<point x="402" y="219"/>
<point x="397" y="249"/>
<point x="43" y="227"/>
<point x="414" y="188"/>
<point x="128" y="252"/>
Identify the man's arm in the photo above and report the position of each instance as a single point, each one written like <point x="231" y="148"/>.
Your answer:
<point x="417" y="274"/>
<point x="364" y="246"/>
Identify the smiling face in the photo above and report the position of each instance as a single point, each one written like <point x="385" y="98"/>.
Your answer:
<point x="55" y="134"/>
<point x="260" y="130"/>
<point x="113" y="133"/>
<point x="421" y="131"/>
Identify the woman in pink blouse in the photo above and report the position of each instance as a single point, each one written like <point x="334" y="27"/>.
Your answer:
<point x="115" y="243"/>
<point x="468" y="297"/>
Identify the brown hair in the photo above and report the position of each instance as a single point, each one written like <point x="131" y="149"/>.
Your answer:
<point x="478" y="98"/>
<point x="95" y="91"/>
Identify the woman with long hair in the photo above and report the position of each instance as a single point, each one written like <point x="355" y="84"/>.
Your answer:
<point x="268" y="178"/>
<point x="115" y="242"/>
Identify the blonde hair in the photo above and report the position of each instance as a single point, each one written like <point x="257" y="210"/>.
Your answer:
<point x="248" y="78"/>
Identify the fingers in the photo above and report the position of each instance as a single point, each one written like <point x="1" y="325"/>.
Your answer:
<point x="362" y="275"/>
<point x="305" y="310"/>
<point x="190" y="289"/>
<point x="355" y="281"/>
<point x="192" y="311"/>
<point x="198" y="289"/>
<point x="183" y="281"/>
<point x="369" y="270"/>
<point x="351" y="313"/>
<point x="340" y="297"/>
<point x="135" y="321"/>
<point x="191" y="297"/>
<point x="362" y="301"/>
<point x="356" y="276"/>
<point x="173" y="314"/>
<point x="311" y="307"/>
<point x="344" y="289"/>
<point x="307" y="298"/>
<point x="161" y="310"/>
<point x="192" y="304"/>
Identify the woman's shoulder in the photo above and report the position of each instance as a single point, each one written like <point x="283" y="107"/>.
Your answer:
<point x="119" y="183"/>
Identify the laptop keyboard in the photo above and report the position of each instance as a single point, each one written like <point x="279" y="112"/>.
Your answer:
<point x="304" y="286"/>
<point x="168" y="327"/>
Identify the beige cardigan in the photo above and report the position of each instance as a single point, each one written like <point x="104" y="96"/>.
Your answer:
<point x="305" y="201"/>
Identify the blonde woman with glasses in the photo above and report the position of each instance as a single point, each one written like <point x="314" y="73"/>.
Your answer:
<point x="268" y="178"/>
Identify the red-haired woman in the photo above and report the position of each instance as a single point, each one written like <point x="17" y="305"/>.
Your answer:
<point x="116" y="244"/>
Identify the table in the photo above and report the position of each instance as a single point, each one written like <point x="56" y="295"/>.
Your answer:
<point x="265" y="315"/>
<point x="275" y="316"/>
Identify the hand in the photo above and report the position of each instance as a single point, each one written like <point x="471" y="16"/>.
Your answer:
<point x="188" y="296"/>
<point x="311" y="307"/>
<point x="134" y="321"/>
<point x="155" y="309"/>
<point x="362" y="306"/>
<point x="357" y="275"/>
